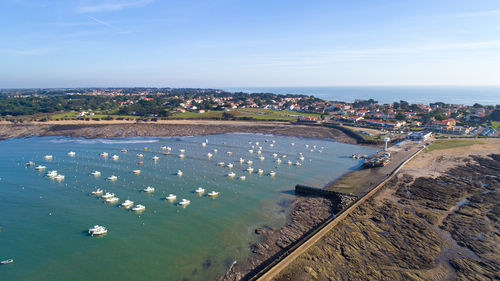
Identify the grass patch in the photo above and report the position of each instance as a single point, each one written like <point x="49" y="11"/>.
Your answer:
<point x="495" y="124"/>
<point x="447" y="144"/>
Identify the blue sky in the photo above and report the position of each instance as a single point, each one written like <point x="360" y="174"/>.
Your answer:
<point x="227" y="43"/>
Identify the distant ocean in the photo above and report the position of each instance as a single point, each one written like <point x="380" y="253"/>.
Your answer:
<point x="467" y="95"/>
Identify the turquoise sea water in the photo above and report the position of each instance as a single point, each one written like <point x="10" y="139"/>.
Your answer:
<point x="44" y="223"/>
<point x="468" y="95"/>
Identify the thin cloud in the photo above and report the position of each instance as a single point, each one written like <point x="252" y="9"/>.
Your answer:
<point x="101" y="22"/>
<point x="112" y="6"/>
<point x="490" y="13"/>
<point x="28" y="52"/>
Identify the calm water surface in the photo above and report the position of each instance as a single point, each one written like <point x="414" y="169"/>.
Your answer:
<point x="44" y="223"/>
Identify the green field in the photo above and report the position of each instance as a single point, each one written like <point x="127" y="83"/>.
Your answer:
<point x="446" y="144"/>
<point x="250" y="113"/>
<point x="495" y="124"/>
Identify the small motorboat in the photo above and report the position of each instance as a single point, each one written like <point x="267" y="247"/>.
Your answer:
<point x="163" y="147"/>
<point x="51" y="174"/>
<point x="98" y="230"/>
<point x="215" y="150"/>
<point x="250" y="151"/>
<point x="272" y="173"/>
<point x="256" y="143"/>
<point x="209" y="155"/>
<point x="71" y="153"/>
<point x="292" y="144"/>
<point x="7" y="261"/>
<point x="171" y="197"/>
<point x="30" y="163"/>
<point x="169" y="148"/>
<point x="249" y="162"/>
<point x="139" y="208"/>
<point x="115" y="157"/>
<point x="140" y="155"/>
<point x="289" y="162"/>
<point x="231" y="175"/>
<point x="124" y="150"/>
<point x="104" y="154"/>
<point x="140" y="163"/>
<point x="261" y="158"/>
<point x="307" y="146"/>
<point x="301" y="158"/>
<point x="250" y="169"/>
<point x="259" y="152"/>
<point x="108" y="195"/>
<point x="220" y="164"/>
<point x="242" y="160"/>
<point x="283" y="156"/>
<point x="40" y="167"/>
<point x="127" y="204"/>
<point x="271" y="145"/>
<point x="97" y="192"/>
<point x="95" y="173"/>
<point x="112" y="178"/>
<point x="179" y="173"/>
<point x="48" y="157"/>
<point x="149" y="189"/>
<point x="242" y="178"/>
<point x="275" y="155"/>
<point x="184" y="202"/>
<point x="200" y="190"/>
<point x="278" y="161"/>
<point x="112" y="200"/>
<point x="230" y="165"/>
<point x="156" y="158"/>
<point x="136" y="172"/>
<point x="59" y="177"/>
<point x="182" y="155"/>
<point x="229" y="153"/>
<point x="213" y="193"/>
<point x="203" y="144"/>
<point x="182" y="150"/>
<point x="260" y="171"/>
<point x="298" y="163"/>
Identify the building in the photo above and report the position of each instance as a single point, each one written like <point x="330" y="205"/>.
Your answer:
<point x="418" y="136"/>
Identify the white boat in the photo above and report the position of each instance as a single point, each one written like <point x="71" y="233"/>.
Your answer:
<point x="250" y="151"/>
<point x="203" y="144"/>
<point x="292" y="144"/>
<point x="314" y="146"/>
<point x="220" y="164"/>
<point x="149" y="189"/>
<point x="273" y="141"/>
<point x="298" y="163"/>
<point x="139" y="208"/>
<point x="136" y="172"/>
<point x="104" y="154"/>
<point x="271" y="145"/>
<point x="59" y="177"/>
<point x="260" y="171"/>
<point x="95" y="173"/>
<point x="206" y="140"/>
<point x="112" y="178"/>
<point x="169" y="148"/>
<point x="272" y="173"/>
<point x="242" y="160"/>
<point x="108" y="195"/>
<point x="48" y="157"/>
<point x="256" y="143"/>
<point x="200" y="190"/>
<point x="127" y="204"/>
<point x="40" y="167"/>
<point x="209" y="155"/>
<point x="30" y="163"/>
<point x="229" y="153"/>
<point x="242" y="178"/>
<point x="156" y="158"/>
<point x="289" y="162"/>
<point x="261" y="158"/>
<point x="184" y="202"/>
<point x="231" y="175"/>
<point x="213" y="193"/>
<point x="182" y="150"/>
<point x="171" y="197"/>
<point x="307" y="146"/>
<point x="260" y="147"/>
<point x="259" y="152"/>
<point x="249" y="162"/>
<point x="7" y="261"/>
<point x="124" y="150"/>
<point x="249" y="142"/>
<point x="182" y="155"/>
<point x="112" y="200"/>
<point x="215" y="150"/>
<point x="249" y="169"/>
<point x="278" y="161"/>
<point x="230" y="165"/>
<point x="301" y="158"/>
<point x="98" y="230"/>
<point x="179" y="173"/>
<point x="115" y="157"/>
<point x="163" y="148"/>
<point x="140" y="155"/>
<point x="97" y="192"/>
<point x="283" y="156"/>
<point x="71" y="153"/>
<point x="51" y="174"/>
<point x="275" y="155"/>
